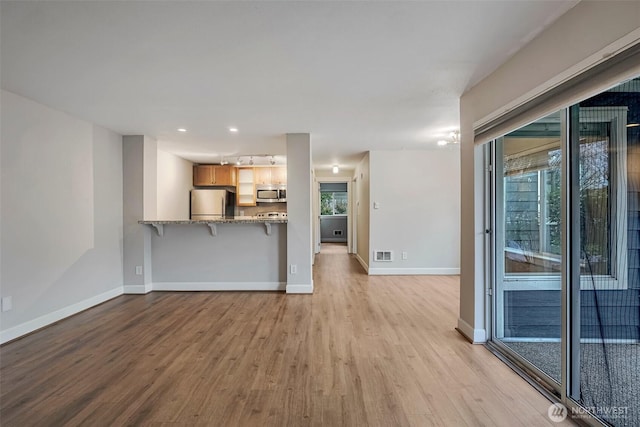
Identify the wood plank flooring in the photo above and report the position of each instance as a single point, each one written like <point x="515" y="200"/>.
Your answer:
<point x="361" y="351"/>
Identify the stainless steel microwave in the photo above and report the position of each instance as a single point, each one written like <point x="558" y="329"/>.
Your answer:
<point x="271" y="193"/>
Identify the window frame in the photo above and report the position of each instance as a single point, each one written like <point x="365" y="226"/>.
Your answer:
<point x="616" y="116"/>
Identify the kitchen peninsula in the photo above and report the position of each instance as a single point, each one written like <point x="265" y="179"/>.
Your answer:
<point x="212" y="223"/>
<point x="230" y="253"/>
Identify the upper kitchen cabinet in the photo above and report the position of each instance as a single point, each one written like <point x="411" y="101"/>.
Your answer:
<point x="262" y="175"/>
<point x="278" y="175"/>
<point x="224" y="175"/>
<point x="245" y="189"/>
<point x="213" y="175"/>
<point x="271" y="175"/>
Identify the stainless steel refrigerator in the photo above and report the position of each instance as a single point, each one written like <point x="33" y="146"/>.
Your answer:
<point x="212" y="204"/>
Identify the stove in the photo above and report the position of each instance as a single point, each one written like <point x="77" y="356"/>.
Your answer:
<point x="272" y="215"/>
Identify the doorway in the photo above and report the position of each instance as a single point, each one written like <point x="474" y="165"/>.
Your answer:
<point x="333" y="219"/>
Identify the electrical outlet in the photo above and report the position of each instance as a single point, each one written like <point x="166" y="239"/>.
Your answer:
<point x="138" y="270"/>
<point x="405" y="255"/>
<point x="294" y="269"/>
<point x="7" y="303"/>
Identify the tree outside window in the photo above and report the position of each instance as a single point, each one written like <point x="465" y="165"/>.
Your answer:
<point x="333" y="203"/>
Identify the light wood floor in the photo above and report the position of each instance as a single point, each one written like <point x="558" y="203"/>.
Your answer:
<point x="378" y="351"/>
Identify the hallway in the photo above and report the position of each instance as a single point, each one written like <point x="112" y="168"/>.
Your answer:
<point x="363" y="350"/>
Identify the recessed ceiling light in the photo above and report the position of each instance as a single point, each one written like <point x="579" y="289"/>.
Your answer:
<point x="232" y="129"/>
<point x="182" y="130"/>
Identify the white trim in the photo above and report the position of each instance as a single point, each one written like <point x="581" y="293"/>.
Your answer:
<point x="138" y="289"/>
<point x="477" y="336"/>
<point x="219" y="286"/>
<point x="413" y="271"/>
<point x="362" y="263"/>
<point x="300" y="289"/>
<point x="50" y="318"/>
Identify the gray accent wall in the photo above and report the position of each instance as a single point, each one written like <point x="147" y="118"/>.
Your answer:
<point x="333" y="186"/>
<point x="333" y="229"/>
<point x="239" y="253"/>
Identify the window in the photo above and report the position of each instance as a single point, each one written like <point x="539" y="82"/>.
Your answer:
<point x="333" y="203"/>
<point x="532" y="200"/>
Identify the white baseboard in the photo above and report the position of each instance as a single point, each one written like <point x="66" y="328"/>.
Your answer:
<point x="300" y="289"/>
<point x="138" y="289"/>
<point x="362" y="263"/>
<point x="413" y="271"/>
<point x="219" y="286"/>
<point x="48" y="319"/>
<point x="477" y="336"/>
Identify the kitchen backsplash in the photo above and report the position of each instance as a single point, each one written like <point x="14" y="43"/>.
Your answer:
<point x="264" y="207"/>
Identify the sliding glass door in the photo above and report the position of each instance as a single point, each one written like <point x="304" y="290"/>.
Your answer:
<point x="529" y="258"/>
<point x="566" y="253"/>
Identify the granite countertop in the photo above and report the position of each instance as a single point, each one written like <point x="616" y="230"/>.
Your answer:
<point x="235" y="220"/>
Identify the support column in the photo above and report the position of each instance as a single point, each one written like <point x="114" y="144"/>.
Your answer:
<point x="300" y="226"/>
<point x="139" y="168"/>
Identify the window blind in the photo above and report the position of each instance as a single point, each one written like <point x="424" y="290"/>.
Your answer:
<point x="623" y="66"/>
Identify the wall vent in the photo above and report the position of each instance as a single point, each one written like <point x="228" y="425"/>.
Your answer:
<point x="337" y="232"/>
<point x="385" y="256"/>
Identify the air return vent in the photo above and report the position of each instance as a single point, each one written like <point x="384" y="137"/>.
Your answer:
<point x="384" y="256"/>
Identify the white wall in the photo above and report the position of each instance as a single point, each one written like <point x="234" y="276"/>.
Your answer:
<point x="61" y="215"/>
<point x="418" y="193"/>
<point x="140" y="198"/>
<point x="175" y="181"/>
<point x="361" y="211"/>
<point x="585" y="36"/>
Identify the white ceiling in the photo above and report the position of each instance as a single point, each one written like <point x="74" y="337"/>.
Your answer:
<point x="358" y="76"/>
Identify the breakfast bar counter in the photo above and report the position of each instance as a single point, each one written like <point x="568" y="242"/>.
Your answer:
<point x="221" y="254"/>
<point x="212" y="223"/>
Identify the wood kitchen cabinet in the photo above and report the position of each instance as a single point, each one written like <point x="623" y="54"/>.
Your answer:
<point x="245" y="188"/>
<point x="213" y="175"/>
<point x="271" y="175"/>
<point x="278" y="175"/>
<point x="262" y="175"/>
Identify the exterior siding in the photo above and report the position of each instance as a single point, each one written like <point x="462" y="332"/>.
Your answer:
<point x="603" y="313"/>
